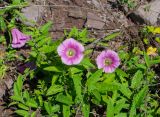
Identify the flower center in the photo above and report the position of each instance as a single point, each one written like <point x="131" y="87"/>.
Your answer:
<point x="108" y="61"/>
<point x="71" y="52"/>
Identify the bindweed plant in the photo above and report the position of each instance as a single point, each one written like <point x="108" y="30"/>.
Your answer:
<point x="66" y="82"/>
<point x="63" y="80"/>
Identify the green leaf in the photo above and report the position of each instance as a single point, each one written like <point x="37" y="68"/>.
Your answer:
<point x="16" y="2"/>
<point x="103" y="87"/>
<point x="43" y="41"/>
<point x="93" y="79"/>
<point x="121" y="73"/>
<point x="46" y="49"/>
<point x="120" y="104"/>
<point x="20" y="83"/>
<point x="64" y="99"/>
<point x="110" y="108"/>
<point x="66" y="111"/>
<point x="40" y="99"/>
<point x="55" y="108"/>
<point x="16" y="90"/>
<point x="54" y="89"/>
<point x="33" y="114"/>
<point x="97" y="95"/>
<point x="22" y="106"/>
<point x="137" y="100"/>
<point x="83" y="35"/>
<point x="136" y="80"/>
<point x="22" y="113"/>
<point x="85" y="109"/>
<point x="153" y="62"/>
<point x="45" y="28"/>
<point x="17" y="98"/>
<point x="48" y="107"/>
<point x="112" y="36"/>
<point x="73" y="33"/>
<point x="12" y="103"/>
<point x="2" y="24"/>
<point x="146" y="58"/>
<point x="53" y="69"/>
<point x="121" y="115"/>
<point x="32" y="103"/>
<point x="77" y="86"/>
<point x="26" y="95"/>
<point x="86" y="62"/>
<point x="125" y="91"/>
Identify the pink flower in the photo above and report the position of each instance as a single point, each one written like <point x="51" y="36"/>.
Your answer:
<point x="108" y="60"/>
<point x="18" y="38"/>
<point x="70" y="51"/>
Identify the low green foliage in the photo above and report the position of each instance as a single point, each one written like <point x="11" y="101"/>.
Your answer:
<point x="70" y="90"/>
<point x="58" y="90"/>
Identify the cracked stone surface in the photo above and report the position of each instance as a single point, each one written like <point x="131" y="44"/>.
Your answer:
<point x="149" y="13"/>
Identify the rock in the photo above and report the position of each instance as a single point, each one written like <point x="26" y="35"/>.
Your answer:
<point x="32" y="13"/>
<point x="94" y="21"/>
<point x="78" y="2"/>
<point x="149" y="14"/>
<point x="9" y="83"/>
<point x="2" y="90"/>
<point x="76" y="13"/>
<point x="96" y="4"/>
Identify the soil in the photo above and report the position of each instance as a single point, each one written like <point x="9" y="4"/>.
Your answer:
<point x="100" y="17"/>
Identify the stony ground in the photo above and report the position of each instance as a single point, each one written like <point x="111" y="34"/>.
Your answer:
<point x="100" y="17"/>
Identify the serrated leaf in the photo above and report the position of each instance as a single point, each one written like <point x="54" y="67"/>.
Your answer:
<point x="64" y="99"/>
<point x="55" y="108"/>
<point x="22" y="106"/>
<point x="22" y="113"/>
<point x="53" y="69"/>
<point x="121" y="73"/>
<point x="66" y="111"/>
<point x="26" y="95"/>
<point x="121" y="115"/>
<point x="120" y="104"/>
<point x="112" y="36"/>
<point x="110" y="108"/>
<point x="136" y="80"/>
<point x="33" y="114"/>
<point x="43" y="41"/>
<point x="54" y="89"/>
<point x="46" y="49"/>
<point x="146" y="58"/>
<point x="32" y="103"/>
<point x="16" y="2"/>
<point x="97" y="95"/>
<point x="77" y="86"/>
<point x="137" y="100"/>
<point x="45" y="28"/>
<point x="48" y="107"/>
<point x="85" y="109"/>
<point x="73" y="33"/>
<point x="125" y="90"/>
<point x="86" y="62"/>
<point x="93" y="79"/>
<point x="103" y="87"/>
<point x="16" y="98"/>
<point x="2" y="24"/>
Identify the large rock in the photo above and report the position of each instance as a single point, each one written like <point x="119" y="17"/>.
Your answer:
<point x="149" y="13"/>
<point x="94" y="21"/>
<point x="32" y="13"/>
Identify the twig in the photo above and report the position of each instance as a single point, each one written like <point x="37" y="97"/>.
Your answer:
<point x="100" y="39"/>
